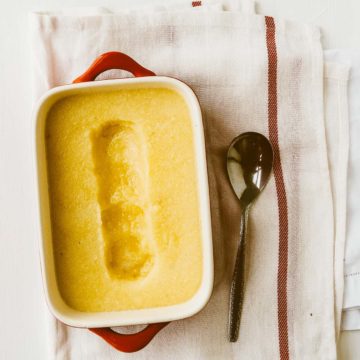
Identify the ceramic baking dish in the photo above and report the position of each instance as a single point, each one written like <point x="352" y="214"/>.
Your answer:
<point x="100" y="322"/>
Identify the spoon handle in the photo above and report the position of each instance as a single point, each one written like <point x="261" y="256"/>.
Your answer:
<point x="238" y="281"/>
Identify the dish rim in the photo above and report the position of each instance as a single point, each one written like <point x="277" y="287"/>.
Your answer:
<point x="54" y="300"/>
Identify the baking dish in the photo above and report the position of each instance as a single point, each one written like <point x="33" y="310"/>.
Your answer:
<point x="100" y="322"/>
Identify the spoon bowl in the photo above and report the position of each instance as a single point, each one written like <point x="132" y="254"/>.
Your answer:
<point x="249" y="164"/>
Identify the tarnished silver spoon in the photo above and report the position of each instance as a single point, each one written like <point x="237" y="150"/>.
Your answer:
<point x="249" y="165"/>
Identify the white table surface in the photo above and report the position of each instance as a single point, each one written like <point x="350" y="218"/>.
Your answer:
<point x="22" y="309"/>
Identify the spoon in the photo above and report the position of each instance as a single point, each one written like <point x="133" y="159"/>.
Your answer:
<point x="249" y="164"/>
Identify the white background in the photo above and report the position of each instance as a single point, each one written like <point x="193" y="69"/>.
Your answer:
<point x="22" y="315"/>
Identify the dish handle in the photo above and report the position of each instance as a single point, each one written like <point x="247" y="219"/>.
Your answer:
<point x="113" y="60"/>
<point x="108" y="61"/>
<point x="129" y="342"/>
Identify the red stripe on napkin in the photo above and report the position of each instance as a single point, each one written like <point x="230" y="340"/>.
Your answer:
<point x="280" y="189"/>
<point x="196" y="3"/>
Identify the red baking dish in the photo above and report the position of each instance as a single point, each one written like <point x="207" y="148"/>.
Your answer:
<point x="156" y="318"/>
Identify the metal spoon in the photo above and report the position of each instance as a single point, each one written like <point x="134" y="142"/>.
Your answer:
<point x="249" y="164"/>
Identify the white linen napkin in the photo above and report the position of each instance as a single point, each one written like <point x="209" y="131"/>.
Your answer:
<point x="250" y="73"/>
<point x="337" y="137"/>
<point x="351" y="304"/>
